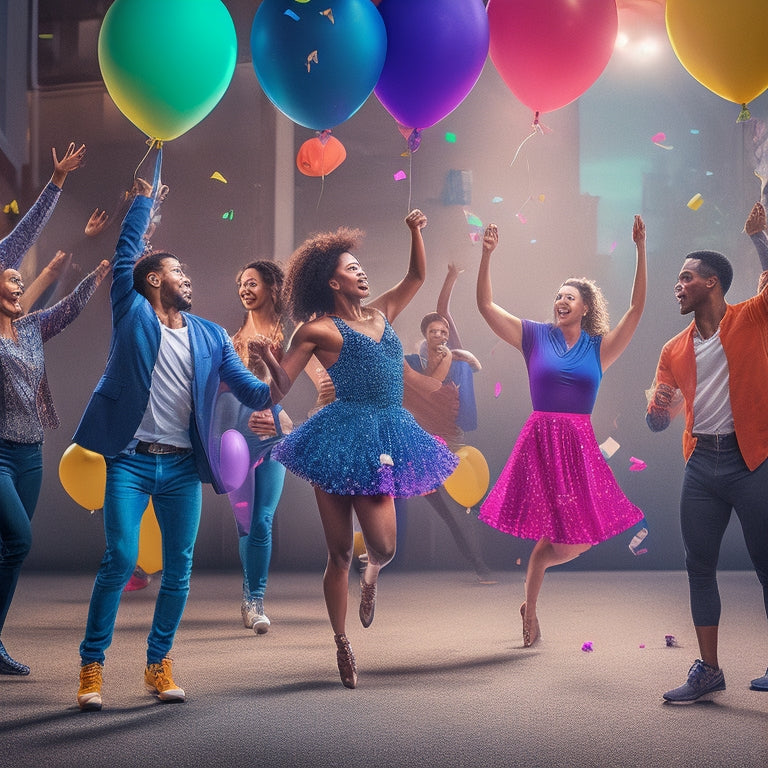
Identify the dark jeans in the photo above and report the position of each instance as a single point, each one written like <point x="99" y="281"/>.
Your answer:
<point x="21" y="473"/>
<point x="717" y="481"/>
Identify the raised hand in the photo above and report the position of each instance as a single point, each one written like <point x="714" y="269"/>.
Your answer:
<point x="416" y="219"/>
<point x="72" y="159"/>
<point x="96" y="223"/>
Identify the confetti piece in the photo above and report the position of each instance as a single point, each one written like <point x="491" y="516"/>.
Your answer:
<point x="399" y="175"/>
<point x="695" y="131"/>
<point x="228" y="215"/>
<point x="642" y="645"/>
<point x="613" y="247"/>
<point x="636" y="465"/>
<point x="497" y="199"/>
<point x="328" y="13"/>
<point x="671" y="641"/>
<point x="542" y="197"/>
<point x="709" y="173"/>
<point x="609" y="447"/>
<point x="291" y="14"/>
<point x="450" y="137"/>
<point x="473" y="220"/>
<point x="497" y="389"/>
<point x="12" y="207"/>
<point x="587" y="647"/>
<point x="216" y="176"/>
<point x="518" y="561"/>
<point x="637" y="540"/>
<point x="695" y="202"/>
<point x="311" y="59"/>
<point x="521" y="218"/>
<point x="474" y="237"/>
<point x="657" y="137"/>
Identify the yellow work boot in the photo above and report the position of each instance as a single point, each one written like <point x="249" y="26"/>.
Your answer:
<point x="158" y="680"/>
<point x="89" y="693"/>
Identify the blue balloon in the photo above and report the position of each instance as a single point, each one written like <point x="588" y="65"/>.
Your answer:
<point x="436" y="50"/>
<point x="316" y="61"/>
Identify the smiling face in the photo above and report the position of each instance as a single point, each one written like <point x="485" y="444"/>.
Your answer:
<point x="253" y="291"/>
<point x="569" y="306"/>
<point x="349" y="278"/>
<point x="692" y="288"/>
<point x="11" y="289"/>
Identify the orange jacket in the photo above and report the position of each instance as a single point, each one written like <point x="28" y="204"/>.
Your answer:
<point x="744" y="336"/>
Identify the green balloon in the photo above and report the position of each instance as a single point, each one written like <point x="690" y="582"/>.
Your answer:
<point x="167" y="63"/>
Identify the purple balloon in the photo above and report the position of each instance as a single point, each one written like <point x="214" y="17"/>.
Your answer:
<point x="234" y="460"/>
<point x="435" y="54"/>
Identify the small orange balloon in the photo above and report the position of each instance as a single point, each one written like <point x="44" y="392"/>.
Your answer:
<point x="319" y="158"/>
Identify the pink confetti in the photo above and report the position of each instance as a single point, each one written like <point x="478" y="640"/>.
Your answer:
<point x="613" y="246"/>
<point x="587" y="647"/>
<point x="642" y="645"/>
<point x="636" y="465"/>
<point x="521" y="218"/>
<point x="474" y="237"/>
<point x="399" y="176"/>
<point x="658" y="137"/>
<point x="497" y="389"/>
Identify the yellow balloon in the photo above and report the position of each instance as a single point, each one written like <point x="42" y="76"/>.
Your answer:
<point x="722" y="44"/>
<point x="150" y="542"/>
<point x="83" y="475"/>
<point x="469" y="481"/>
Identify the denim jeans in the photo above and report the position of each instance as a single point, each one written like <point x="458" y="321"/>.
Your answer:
<point x="172" y="482"/>
<point x="717" y="481"/>
<point x="21" y="473"/>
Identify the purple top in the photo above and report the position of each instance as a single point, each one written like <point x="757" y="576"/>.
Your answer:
<point x="561" y="380"/>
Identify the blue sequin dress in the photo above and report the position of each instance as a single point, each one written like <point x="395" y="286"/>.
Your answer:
<point x="365" y="442"/>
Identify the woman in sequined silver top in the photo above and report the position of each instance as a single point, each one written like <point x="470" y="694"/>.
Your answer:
<point x="26" y="407"/>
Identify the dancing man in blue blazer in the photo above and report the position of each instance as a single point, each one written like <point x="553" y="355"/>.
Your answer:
<point x="151" y="418"/>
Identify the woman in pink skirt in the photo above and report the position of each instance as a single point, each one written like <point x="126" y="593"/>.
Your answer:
<point x="556" y="487"/>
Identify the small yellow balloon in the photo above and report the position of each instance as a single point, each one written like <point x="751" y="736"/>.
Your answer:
<point x="150" y="558"/>
<point x="469" y="481"/>
<point x="83" y="474"/>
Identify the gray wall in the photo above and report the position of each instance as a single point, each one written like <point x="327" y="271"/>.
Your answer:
<point x="242" y="139"/>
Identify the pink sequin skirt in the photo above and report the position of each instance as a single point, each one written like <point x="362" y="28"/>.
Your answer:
<point x="556" y="484"/>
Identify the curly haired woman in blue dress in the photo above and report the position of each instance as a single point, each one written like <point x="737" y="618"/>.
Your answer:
<point x="363" y="449"/>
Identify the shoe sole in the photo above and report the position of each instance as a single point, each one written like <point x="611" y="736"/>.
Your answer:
<point x="89" y="702"/>
<point x="704" y="697"/>
<point x="261" y="628"/>
<point x="169" y="696"/>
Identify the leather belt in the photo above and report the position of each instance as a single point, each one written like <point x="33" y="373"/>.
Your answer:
<point x="159" y="449"/>
<point x="721" y="441"/>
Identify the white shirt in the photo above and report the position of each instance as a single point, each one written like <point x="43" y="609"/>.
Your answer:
<point x="169" y="410"/>
<point x="712" y="413"/>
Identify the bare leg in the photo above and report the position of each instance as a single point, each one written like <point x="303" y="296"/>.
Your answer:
<point x="707" y="637"/>
<point x="376" y="515"/>
<point x="336" y="517"/>
<point x="545" y="554"/>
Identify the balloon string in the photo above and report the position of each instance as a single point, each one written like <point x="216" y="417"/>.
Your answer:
<point x="322" y="180"/>
<point x="153" y="144"/>
<point x="536" y="129"/>
<point x="410" y="180"/>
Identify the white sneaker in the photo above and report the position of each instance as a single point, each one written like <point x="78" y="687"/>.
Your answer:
<point x="253" y="615"/>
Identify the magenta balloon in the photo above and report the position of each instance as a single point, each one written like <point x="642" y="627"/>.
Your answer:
<point x="435" y="53"/>
<point x="550" y="51"/>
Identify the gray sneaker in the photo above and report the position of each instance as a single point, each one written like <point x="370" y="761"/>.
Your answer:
<point x="252" y="611"/>
<point x="702" y="680"/>
<point x="760" y="683"/>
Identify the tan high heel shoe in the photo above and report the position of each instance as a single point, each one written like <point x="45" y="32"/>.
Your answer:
<point x="530" y="633"/>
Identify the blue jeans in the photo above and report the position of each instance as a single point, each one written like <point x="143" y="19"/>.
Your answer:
<point x="21" y="474"/>
<point x="717" y="481"/>
<point x="263" y="486"/>
<point x="173" y="483"/>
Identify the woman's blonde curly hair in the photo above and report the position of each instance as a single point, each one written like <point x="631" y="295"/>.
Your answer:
<point x="596" y="322"/>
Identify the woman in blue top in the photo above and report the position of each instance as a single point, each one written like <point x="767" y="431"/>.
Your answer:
<point x="556" y="487"/>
